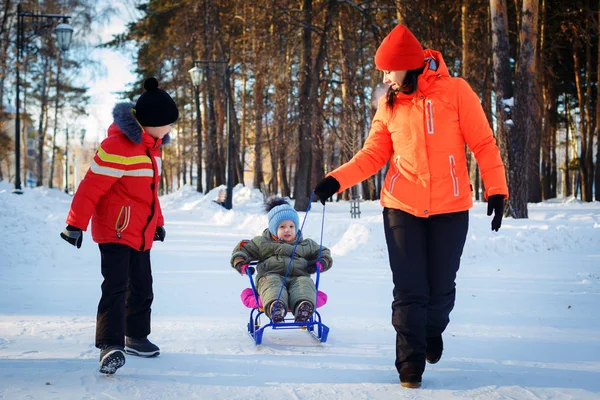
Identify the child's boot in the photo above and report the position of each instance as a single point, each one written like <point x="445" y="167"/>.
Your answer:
<point x="304" y="311"/>
<point x="141" y="347"/>
<point x="278" y="311"/>
<point x="111" y="359"/>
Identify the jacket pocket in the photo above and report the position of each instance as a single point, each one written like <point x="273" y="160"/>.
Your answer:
<point x="453" y="175"/>
<point x="122" y="221"/>
<point x="396" y="175"/>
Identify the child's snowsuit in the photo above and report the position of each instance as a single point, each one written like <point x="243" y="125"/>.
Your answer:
<point x="273" y="257"/>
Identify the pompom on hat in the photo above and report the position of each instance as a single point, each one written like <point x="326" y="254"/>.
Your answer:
<point x="279" y="211"/>
<point x="155" y="107"/>
<point x="399" y="51"/>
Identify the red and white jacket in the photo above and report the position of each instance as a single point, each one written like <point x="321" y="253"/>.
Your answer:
<point x="120" y="190"/>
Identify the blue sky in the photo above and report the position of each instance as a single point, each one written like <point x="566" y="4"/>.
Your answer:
<point x="104" y="87"/>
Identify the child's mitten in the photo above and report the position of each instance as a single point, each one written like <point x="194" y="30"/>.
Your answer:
<point x="160" y="233"/>
<point x="72" y="235"/>
<point x="313" y="265"/>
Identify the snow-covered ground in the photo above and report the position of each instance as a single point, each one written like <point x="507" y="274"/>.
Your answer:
<point x="526" y="323"/>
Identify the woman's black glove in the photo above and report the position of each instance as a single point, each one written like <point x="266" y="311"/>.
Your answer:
<point x="160" y="233"/>
<point x="327" y="188"/>
<point x="496" y="204"/>
<point x="72" y="235"/>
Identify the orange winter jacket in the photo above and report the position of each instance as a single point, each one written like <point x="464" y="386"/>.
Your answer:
<point x="424" y="138"/>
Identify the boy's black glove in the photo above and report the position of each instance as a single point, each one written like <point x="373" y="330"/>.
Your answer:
<point x="327" y="188"/>
<point x="160" y="233"/>
<point x="72" y="235"/>
<point x="313" y="265"/>
<point x="496" y="204"/>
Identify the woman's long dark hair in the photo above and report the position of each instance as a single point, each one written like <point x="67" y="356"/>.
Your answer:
<point x="409" y="86"/>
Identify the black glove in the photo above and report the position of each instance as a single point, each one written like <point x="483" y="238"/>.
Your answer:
<point x="313" y="265"/>
<point x="327" y="188"/>
<point x="160" y="233"/>
<point x="496" y="204"/>
<point x="72" y="235"/>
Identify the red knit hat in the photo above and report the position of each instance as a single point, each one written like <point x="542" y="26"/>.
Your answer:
<point x="399" y="51"/>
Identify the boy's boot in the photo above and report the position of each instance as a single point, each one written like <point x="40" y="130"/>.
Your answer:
<point x="141" y="347"/>
<point x="278" y="311"/>
<point x="435" y="347"/>
<point x="410" y="376"/>
<point x="111" y="359"/>
<point x="304" y="311"/>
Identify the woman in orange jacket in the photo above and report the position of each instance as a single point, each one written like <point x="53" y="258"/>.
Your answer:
<point x="421" y="127"/>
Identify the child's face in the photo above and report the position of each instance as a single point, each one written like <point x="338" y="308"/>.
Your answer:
<point x="157" y="132"/>
<point x="287" y="230"/>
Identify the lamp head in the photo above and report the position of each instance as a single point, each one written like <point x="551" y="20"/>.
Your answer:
<point x="64" y="33"/>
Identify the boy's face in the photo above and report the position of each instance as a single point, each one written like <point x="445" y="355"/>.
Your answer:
<point x="157" y="132"/>
<point x="287" y="230"/>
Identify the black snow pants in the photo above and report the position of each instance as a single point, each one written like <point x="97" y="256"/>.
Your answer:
<point x="424" y="257"/>
<point x="124" y="307"/>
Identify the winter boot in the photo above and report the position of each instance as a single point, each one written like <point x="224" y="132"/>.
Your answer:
<point x="435" y="347"/>
<point x="304" y="311"/>
<point x="111" y="359"/>
<point x="278" y="311"/>
<point x="141" y="347"/>
<point x="410" y="376"/>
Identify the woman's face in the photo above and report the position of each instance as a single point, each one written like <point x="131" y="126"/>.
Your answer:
<point x="394" y="78"/>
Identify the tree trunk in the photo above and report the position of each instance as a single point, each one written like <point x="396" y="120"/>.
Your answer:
<point x="56" y="108"/>
<point x="583" y="107"/>
<point x="41" y="129"/>
<point x="512" y="139"/>
<point x="597" y="178"/>
<point x="587" y="155"/>
<point x="567" y="175"/>
<point x="309" y="105"/>
<point x="304" y="110"/>
<point x="534" y="98"/>
<point x="259" y="111"/>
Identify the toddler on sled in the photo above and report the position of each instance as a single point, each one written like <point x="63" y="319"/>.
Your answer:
<point x="273" y="251"/>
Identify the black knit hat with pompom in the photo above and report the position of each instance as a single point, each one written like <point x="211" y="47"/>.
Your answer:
<point x="155" y="107"/>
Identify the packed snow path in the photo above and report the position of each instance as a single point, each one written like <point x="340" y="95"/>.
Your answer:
<point x="526" y="323"/>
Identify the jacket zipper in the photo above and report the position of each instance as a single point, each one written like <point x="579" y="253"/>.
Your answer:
<point x="429" y="117"/>
<point x="153" y="188"/>
<point x="453" y="175"/>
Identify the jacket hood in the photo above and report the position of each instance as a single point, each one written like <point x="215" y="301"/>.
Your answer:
<point x="435" y="68"/>
<point x="125" y="121"/>
<point x="434" y="63"/>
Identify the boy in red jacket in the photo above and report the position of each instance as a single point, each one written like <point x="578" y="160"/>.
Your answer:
<point x="120" y="194"/>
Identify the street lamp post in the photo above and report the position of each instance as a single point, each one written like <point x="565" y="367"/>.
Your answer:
<point x="67" y="161"/>
<point x="196" y="75"/>
<point x="64" y="32"/>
